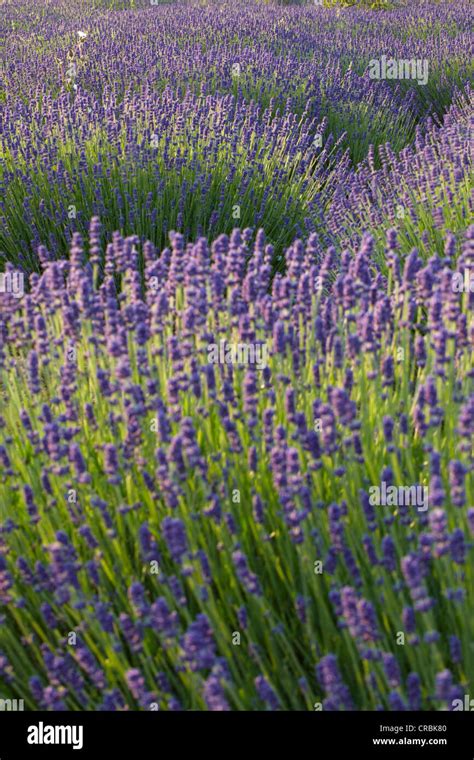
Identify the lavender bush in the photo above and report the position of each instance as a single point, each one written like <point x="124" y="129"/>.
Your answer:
<point x="89" y="127"/>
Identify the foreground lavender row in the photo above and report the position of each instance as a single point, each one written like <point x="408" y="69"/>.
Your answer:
<point x="203" y="119"/>
<point x="181" y="531"/>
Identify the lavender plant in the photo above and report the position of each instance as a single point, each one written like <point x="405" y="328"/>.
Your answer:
<point x="212" y="521"/>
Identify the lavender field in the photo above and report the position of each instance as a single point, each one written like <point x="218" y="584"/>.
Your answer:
<point x="236" y="356"/>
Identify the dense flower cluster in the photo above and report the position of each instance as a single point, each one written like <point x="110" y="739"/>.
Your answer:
<point x="425" y="190"/>
<point x="153" y="497"/>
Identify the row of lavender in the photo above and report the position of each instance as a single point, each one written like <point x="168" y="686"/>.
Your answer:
<point x="88" y="126"/>
<point x="188" y="526"/>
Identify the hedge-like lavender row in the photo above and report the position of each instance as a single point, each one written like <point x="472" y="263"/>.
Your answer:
<point x="196" y="164"/>
<point x="424" y="190"/>
<point x="183" y="531"/>
<point x="85" y="117"/>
